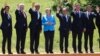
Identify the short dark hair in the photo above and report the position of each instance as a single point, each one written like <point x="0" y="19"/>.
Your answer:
<point x="6" y="7"/>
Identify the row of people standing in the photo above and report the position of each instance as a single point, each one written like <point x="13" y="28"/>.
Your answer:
<point x="21" y="28"/>
<point x="82" y="22"/>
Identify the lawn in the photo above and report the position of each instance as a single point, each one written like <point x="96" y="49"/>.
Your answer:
<point x="44" y="4"/>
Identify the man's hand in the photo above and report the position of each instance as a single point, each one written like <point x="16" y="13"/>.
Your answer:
<point x="84" y="29"/>
<point x="58" y="9"/>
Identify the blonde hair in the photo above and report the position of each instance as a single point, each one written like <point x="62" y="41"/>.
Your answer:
<point x="48" y="9"/>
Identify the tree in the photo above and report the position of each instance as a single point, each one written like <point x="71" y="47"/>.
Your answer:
<point x="94" y="2"/>
<point x="61" y="3"/>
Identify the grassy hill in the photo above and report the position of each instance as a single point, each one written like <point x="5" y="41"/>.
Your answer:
<point x="44" y="4"/>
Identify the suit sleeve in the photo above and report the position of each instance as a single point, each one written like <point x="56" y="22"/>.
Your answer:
<point x="30" y="11"/>
<point x="58" y="15"/>
<point x="2" y="12"/>
<point x="17" y="14"/>
<point x="70" y="23"/>
<point x="84" y="20"/>
<point x="40" y="22"/>
<point x="26" y="21"/>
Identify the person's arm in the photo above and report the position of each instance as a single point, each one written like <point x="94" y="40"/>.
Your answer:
<point x="45" y="21"/>
<point x="53" y="22"/>
<point x="70" y="23"/>
<point x="40" y="22"/>
<point x="84" y="21"/>
<point x="17" y="15"/>
<point x="2" y="11"/>
<point x="58" y="14"/>
<point x="26" y="21"/>
<point x="94" y="15"/>
<point x="30" y="10"/>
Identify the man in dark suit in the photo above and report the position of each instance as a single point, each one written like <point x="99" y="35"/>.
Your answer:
<point x="89" y="28"/>
<point x="6" y="28"/>
<point x="35" y="28"/>
<point x="65" y="25"/>
<point x="21" y="28"/>
<point x="77" y="28"/>
<point x="97" y="21"/>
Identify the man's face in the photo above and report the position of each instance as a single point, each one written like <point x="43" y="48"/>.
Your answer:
<point x="64" y="11"/>
<point x="7" y="9"/>
<point x="97" y="8"/>
<point x="22" y="7"/>
<point x="77" y="7"/>
<point x="89" y="8"/>
<point x="37" y="8"/>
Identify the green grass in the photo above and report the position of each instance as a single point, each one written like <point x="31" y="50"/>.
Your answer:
<point x="44" y="4"/>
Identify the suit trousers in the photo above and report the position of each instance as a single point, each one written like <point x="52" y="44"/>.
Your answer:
<point x="49" y="38"/>
<point x="76" y="34"/>
<point x="20" y="43"/>
<point x="34" y="40"/>
<point x="64" y="35"/>
<point x="88" y="35"/>
<point x="7" y="35"/>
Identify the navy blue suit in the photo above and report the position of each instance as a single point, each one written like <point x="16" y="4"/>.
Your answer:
<point x="65" y="26"/>
<point x="77" y="29"/>
<point x="35" y="28"/>
<point x="6" y="28"/>
<point x="21" y="29"/>
<point x="97" y="16"/>
<point x="88" y="34"/>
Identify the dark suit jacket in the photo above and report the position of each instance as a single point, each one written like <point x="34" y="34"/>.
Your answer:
<point x="64" y="24"/>
<point x="21" y="20"/>
<point x="6" y="20"/>
<point x="78" y="22"/>
<point x="88" y="22"/>
<point x="97" y="16"/>
<point x="35" y="22"/>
